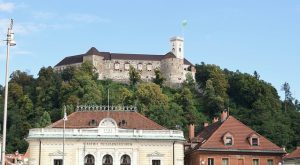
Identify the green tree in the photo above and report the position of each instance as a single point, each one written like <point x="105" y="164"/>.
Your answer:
<point x="149" y="94"/>
<point x="44" y="120"/>
<point x="159" y="79"/>
<point x="134" y="76"/>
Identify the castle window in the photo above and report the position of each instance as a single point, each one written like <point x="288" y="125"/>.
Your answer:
<point x="140" y="66"/>
<point x="126" y="66"/>
<point x="117" y="66"/>
<point x="179" y="49"/>
<point x="173" y="50"/>
<point x="228" y="139"/>
<point x="149" y="67"/>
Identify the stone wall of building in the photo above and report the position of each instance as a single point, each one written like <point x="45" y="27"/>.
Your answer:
<point x="172" y="69"/>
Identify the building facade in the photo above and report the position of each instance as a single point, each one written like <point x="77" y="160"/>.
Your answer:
<point x="115" y="66"/>
<point x="230" y="142"/>
<point x="98" y="136"/>
<point x="292" y="158"/>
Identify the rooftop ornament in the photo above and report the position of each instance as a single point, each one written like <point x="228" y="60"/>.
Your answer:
<point x="83" y="108"/>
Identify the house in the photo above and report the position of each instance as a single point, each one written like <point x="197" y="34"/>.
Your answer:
<point x="229" y="141"/>
<point x="105" y="135"/>
<point x="293" y="158"/>
<point x="115" y="66"/>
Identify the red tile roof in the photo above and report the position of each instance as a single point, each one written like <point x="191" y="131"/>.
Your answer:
<point x="121" y="56"/>
<point x="211" y="137"/>
<point x="125" y="119"/>
<point x="294" y="154"/>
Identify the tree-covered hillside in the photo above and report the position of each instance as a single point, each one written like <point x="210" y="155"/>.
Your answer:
<point x="36" y="102"/>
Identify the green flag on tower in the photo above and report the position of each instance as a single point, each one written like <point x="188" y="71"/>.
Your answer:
<point x="184" y="23"/>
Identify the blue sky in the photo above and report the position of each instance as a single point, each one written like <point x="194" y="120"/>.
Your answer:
<point x="234" y="34"/>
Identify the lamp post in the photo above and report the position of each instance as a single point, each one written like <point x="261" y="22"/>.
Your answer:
<point x="64" y="119"/>
<point x="9" y="42"/>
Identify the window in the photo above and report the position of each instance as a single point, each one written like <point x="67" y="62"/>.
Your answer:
<point x="210" y="161"/>
<point x="58" y="161"/>
<point x="140" y="66"/>
<point x="225" y="161"/>
<point x="179" y="49"/>
<point x="125" y="160"/>
<point x="117" y="66"/>
<point x="149" y="67"/>
<point x="228" y="141"/>
<point x="254" y="141"/>
<point x="93" y="123"/>
<point x="270" y="162"/>
<point x="107" y="160"/>
<point x="155" y="162"/>
<point x="255" y="162"/>
<point x="126" y="66"/>
<point x="89" y="160"/>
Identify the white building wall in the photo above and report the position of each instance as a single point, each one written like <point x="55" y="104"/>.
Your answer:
<point x="140" y="152"/>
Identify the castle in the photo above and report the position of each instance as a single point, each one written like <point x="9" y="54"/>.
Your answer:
<point x="173" y="66"/>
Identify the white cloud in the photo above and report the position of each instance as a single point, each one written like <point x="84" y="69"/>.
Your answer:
<point x="7" y="6"/>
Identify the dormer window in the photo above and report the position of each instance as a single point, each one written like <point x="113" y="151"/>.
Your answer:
<point x="93" y="123"/>
<point x="228" y="139"/>
<point x="253" y="139"/>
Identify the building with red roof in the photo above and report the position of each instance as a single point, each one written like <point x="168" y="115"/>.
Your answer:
<point x="105" y="135"/>
<point x="229" y="141"/>
<point x="292" y="158"/>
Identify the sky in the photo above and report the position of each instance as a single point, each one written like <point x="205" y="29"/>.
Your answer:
<point x="248" y="36"/>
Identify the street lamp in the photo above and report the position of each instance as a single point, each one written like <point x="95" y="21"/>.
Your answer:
<point x="9" y="42"/>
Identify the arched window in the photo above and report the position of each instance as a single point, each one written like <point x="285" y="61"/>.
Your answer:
<point x="89" y="160"/>
<point x="107" y="160"/>
<point x="125" y="160"/>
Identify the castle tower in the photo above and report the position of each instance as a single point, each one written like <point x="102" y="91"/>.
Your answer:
<point x="177" y="47"/>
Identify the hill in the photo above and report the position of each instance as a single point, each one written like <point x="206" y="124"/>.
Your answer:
<point x="36" y="102"/>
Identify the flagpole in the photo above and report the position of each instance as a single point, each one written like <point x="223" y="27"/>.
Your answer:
<point x="64" y="119"/>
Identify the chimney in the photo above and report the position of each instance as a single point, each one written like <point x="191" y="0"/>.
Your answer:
<point x="224" y="115"/>
<point x="191" y="131"/>
<point x="216" y="119"/>
<point x="205" y="124"/>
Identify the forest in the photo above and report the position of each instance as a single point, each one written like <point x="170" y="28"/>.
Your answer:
<point x="37" y="102"/>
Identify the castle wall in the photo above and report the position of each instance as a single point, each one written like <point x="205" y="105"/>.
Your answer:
<point x="118" y="70"/>
<point x="172" y="69"/>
